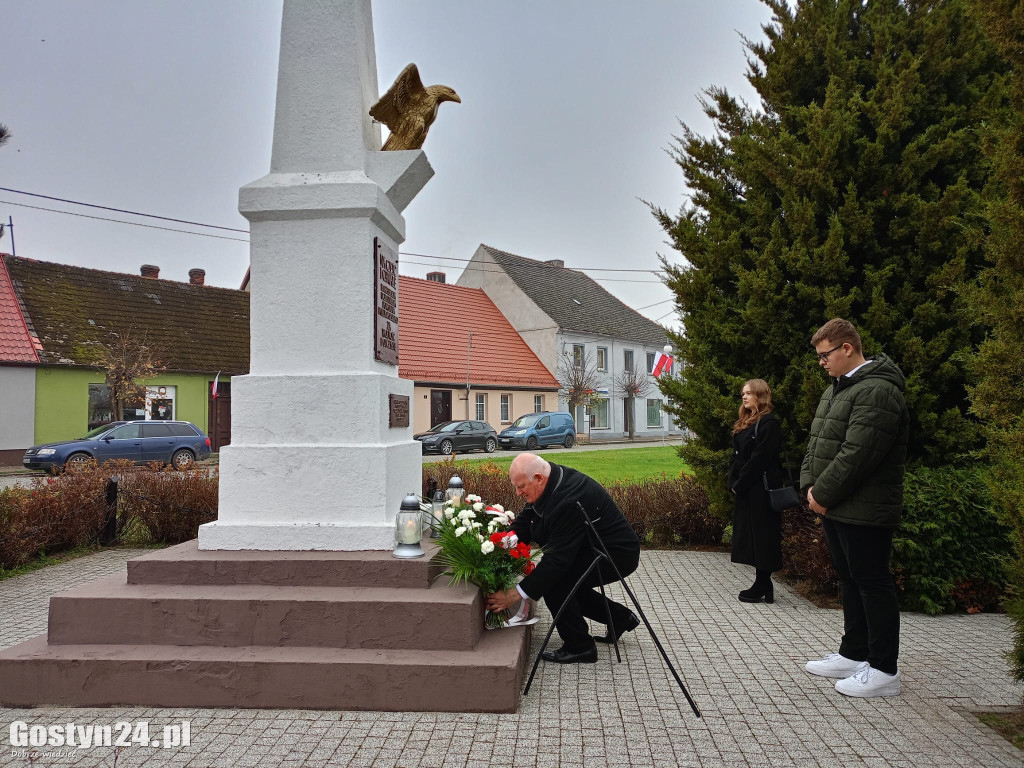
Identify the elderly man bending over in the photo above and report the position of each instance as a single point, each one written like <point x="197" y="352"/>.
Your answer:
<point x="552" y="520"/>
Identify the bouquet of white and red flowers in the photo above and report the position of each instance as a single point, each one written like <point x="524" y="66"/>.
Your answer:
<point x="477" y="547"/>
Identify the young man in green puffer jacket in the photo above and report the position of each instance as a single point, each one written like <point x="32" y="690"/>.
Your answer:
<point x="853" y="477"/>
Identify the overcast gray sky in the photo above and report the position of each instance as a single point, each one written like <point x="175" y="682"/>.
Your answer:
<point x="166" y="107"/>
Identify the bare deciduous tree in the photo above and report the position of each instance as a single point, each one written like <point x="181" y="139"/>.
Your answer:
<point x="5" y="134"/>
<point x="125" y="360"/>
<point x="632" y="384"/>
<point x="578" y="379"/>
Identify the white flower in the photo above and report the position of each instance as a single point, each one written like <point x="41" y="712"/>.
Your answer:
<point x="467" y="514"/>
<point x="478" y="507"/>
<point x="460" y="530"/>
<point x="478" y="525"/>
<point x="487" y="547"/>
<point x="480" y="538"/>
<point x="470" y="498"/>
<point x="449" y="513"/>
<point x="498" y="507"/>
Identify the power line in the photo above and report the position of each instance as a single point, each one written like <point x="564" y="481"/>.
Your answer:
<point x="656" y="303"/>
<point x="480" y="267"/>
<point x="122" y="221"/>
<point x="499" y="270"/>
<point x="540" y="263"/>
<point x="118" y="210"/>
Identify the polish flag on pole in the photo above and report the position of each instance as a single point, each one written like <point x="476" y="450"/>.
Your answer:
<point x="213" y="387"/>
<point x="662" y="363"/>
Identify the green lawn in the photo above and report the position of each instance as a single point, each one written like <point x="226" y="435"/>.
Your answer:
<point x="613" y="464"/>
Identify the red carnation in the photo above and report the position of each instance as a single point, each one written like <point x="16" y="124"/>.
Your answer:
<point x="529" y="568"/>
<point x="524" y="549"/>
<point x="515" y="553"/>
<point x="496" y="538"/>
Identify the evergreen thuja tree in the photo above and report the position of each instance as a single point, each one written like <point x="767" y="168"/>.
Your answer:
<point x="853" y="190"/>
<point x="998" y="397"/>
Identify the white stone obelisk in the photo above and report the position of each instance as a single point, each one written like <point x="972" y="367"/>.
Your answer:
<point x="313" y="462"/>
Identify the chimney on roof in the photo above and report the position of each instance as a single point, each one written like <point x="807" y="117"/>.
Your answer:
<point x="148" y="270"/>
<point x="197" y="276"/>
<point x="435" y="277"/>
<point x="555" y="262"/>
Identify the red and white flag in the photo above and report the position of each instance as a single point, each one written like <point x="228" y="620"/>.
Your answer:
<point x="213" y="387"/>
<point x="662" y="364"/>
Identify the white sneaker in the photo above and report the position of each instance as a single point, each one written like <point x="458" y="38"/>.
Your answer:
<point x="835" y="665"/>
<point x="870" y="682"/>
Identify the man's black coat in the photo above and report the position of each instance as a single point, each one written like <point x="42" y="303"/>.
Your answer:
<point x="555" y="523"/>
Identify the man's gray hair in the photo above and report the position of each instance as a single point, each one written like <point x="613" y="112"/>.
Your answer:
<point x="530" y="464"/>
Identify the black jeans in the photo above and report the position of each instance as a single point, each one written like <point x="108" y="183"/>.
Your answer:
<point x="871" y="610"/>
<point x="587" y="602"/>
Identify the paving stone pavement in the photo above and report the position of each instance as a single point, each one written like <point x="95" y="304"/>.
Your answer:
<point x="742" y="663"/>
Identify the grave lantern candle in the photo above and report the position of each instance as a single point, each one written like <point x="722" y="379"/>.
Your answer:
<point x="408" y="528"/>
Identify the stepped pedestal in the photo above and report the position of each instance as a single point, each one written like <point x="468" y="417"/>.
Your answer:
<point x="321" y="630"/>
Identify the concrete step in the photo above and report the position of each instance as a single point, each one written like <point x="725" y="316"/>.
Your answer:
<point x="187" y="564"/>
<point x="485" y="679"/>
<point x="109" y="611"/>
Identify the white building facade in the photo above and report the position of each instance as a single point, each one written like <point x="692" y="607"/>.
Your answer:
<point x="564" y="316"/>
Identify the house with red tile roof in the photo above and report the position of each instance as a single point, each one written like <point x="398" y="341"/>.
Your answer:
<point x="567" y="319"/>
<point x="466" y="359"/>
<point x="54" y="318"/>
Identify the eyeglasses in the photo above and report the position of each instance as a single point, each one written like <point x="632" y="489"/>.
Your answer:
<point x="823" y="356"/>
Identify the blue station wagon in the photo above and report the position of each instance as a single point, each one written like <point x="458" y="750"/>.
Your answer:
<point x="178" y="443"/>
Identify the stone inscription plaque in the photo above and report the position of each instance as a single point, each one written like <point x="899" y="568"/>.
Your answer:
<point x="385" y="302"/>
<point x="399" y="411"/>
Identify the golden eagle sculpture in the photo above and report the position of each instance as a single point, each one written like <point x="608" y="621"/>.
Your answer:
<point x="408" y="109"/>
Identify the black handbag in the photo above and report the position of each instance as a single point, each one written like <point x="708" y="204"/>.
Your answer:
<point x="780" y="499"/>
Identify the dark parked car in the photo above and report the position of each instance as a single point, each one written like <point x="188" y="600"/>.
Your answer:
<point x="535" y="430"/>
<point x="458" y="436"/>
<point x="179" y="443"/>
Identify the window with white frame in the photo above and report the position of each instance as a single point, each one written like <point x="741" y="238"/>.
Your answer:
<point x="599" y="410"/>
<point x="602" y="358"/>
<point x="627" y="359"/>
<point x="578" y="353"/>
<point x="538" y="403"/>
<point x="654" y="413"/>
<point x="506" y="408"/>
<point x="650" y="361"/>
<point x="481" y="406"/>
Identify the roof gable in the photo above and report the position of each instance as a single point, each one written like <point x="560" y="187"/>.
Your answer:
<point x="16" y="342"/>
<point x="575" y="301"/>
<point x="73" y="310"/>
<point x="436" y="320"/>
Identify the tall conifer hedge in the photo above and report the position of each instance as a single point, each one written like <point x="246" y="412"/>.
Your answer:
<point x="852" y="190"/>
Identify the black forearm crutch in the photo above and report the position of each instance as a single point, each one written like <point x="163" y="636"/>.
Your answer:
<point x="601" y="553"/>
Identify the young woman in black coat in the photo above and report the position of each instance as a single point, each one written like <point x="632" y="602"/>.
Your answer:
<point x="756" y="528"/>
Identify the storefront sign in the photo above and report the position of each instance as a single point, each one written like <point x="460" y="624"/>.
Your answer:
<point x="385" y="302"/>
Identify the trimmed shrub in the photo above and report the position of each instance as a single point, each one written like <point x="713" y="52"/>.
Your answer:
<point x="950" y="551"/>
<point x="170" y="505"/>
<point x="670" y="512"/>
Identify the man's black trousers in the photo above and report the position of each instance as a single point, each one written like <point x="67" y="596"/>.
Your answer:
<point x="587" y="603"/>
<point x="871" y="610"/>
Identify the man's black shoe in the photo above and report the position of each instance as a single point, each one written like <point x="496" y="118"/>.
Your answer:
<point x="562" y="656"/>
<point x="628" y="626"/>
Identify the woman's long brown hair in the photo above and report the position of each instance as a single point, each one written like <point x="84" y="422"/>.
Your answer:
<point x="763" y="395"/>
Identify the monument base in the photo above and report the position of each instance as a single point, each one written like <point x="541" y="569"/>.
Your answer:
<point x="294" y="630"/>
<point x="296" y="536"/>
